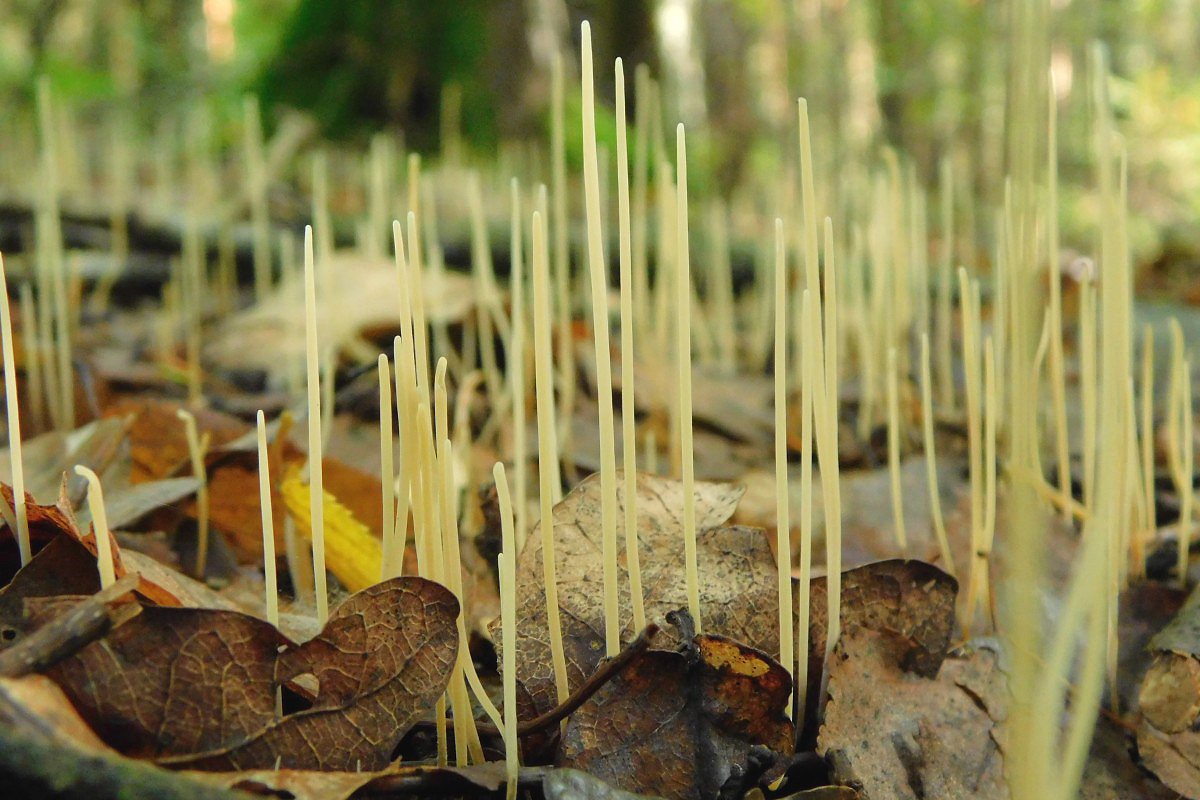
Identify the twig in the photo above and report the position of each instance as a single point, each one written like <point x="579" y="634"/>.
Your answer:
<point x="65" y="635"/>
<point x="604" y="673"/>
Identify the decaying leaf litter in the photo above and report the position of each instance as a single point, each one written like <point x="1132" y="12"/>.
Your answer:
<point x="790" y="574"/>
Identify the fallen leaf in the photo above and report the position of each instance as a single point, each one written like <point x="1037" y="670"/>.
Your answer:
<point x="46" y="457"/>
<point x="683" y="724"/>
<point x="1112" y="774"/>
<point x="291" y="783"/>
<point x="175" y="680"/>
<point x="159" y="450"/>
<point x="1169" y="701"/>
<point x="271" y="334"/>
<point x="402" y="636"/>
<point x="49" y="522"/>
<point x="736" y="579"/>
<point x="130" y="503"/>
<point x="196" y="688"/>
<point x="897" y="735"/>
<point x="911" y="600"/>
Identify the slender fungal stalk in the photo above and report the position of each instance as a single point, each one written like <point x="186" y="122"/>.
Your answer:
<point x="683" y="353"/>
<point x="516" y="356"/>
<point x="629" y="322"/>
<point x="196" y="450"/>
<point x="508" y="625"/>
<point x="600" y="335"/>
<point x="21" y="512"/>
<point x="935" y="495"/>
<point x="783" y="524"/>
<point x="387" y="469"/>
<point x="893" y="399"/>
<point x="268" y="524"/>
<point x="104" y="555"/>
<point x="547" y="447"/>
<point x="316" y="483"/>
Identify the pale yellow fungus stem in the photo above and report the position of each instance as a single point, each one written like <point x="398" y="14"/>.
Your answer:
<point x="628" y="324"/>
<point x="547" y="447"/>
<point x="1187" y="451"/>
<point x="387" y="469"/>
<point x="893" y="400"/>
<point x="783" y="525"/>
<point x="683" y="353"/>
<point x="14" y="421"/>
<point x="935" y="495"/>
<point x="508" y="625"/>
<point x="316" y="481"/>
<point x="196" y="451"/>
<point x="104" y="555"/>
<point x="516" y="358"/>
<point x="271" y="592"/>
<point x="597" y="270"/>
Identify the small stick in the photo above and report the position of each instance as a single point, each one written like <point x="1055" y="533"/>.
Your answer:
<point x="783" y="525"/>
<point x="88" y="621"/>
<point x="597" y="270"/>
<point x="628" y="324"/>
<point x="316" y="488"/>
<point x="196" y="451"/>
<point x="683" y="352"/>
<point x="508" y="616"/>
<point x="104" y="555"/>
<point x="893" y="398"/>
<point x="547" y="447"/>
<point x="14" y="420"/>
<point x="386" y="465"/>
<point x="935" y="495"/>
<point x="605" y="672"/>
<point x="268" y="523"/>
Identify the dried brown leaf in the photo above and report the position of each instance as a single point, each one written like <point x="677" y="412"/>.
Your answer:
<point x="683" y="724"/>
<point x="911" y="599"/>
<point x="401" y="637"/>
<point x="196" y="687"/>
<point x="736" y="578"/>
<point x="898" y="735"/>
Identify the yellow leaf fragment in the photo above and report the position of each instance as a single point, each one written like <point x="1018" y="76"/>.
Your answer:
<point x="352" y="551"/>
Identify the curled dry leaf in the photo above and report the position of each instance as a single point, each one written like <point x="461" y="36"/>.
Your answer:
<point x="912" y="600"/>
<point x="158" y="448"/>
<point x="196" y="688"/>
<point x="681" y="724"/>
<point x="1169" y="699"/>
<point x="736" y="578"/>
<point x="46" y="523"/>
<point x="897" y="735"/>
